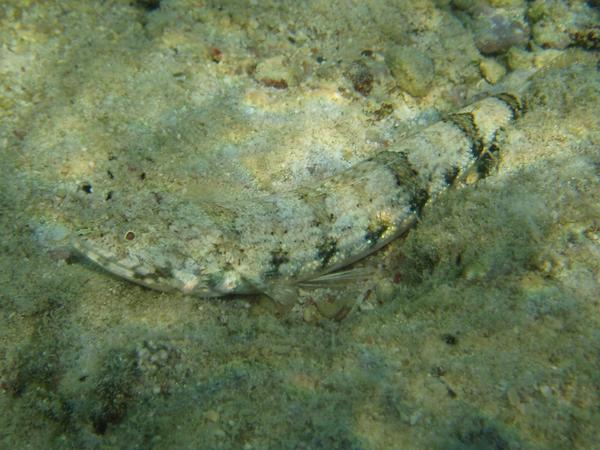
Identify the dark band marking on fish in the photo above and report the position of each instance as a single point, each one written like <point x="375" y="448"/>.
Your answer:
<point x="278" y="242"/>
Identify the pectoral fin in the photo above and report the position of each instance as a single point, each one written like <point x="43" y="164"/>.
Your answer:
<point x="339" y="278"/>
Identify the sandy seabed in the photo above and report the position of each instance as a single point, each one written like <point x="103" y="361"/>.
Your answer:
<point x="479" y="329"/>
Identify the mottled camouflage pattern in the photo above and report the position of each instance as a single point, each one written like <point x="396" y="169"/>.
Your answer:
<point x="277" y="242"/>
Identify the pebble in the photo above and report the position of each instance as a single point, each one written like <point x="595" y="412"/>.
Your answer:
<point x="492" y="70"/>
<point x="548" y="34"/>
<point x="550" y="24"/>
<point x="361" y="77"/>
<point x="517" y="58"/>
<point x="496" y="32"/>
<point x="412" y="69"/>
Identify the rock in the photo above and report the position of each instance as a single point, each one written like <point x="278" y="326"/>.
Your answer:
<point x="412" y="69"/>
<point x="549" y="34"/>
<point x="517" y="58"/>
<point x="496" y="32"/>
<point x="492" y="70"/>
<point x="556" y="24"/>
<point x="361" y="77"/>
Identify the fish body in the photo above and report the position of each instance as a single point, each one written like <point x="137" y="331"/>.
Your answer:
<point x="278" y="242"/>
